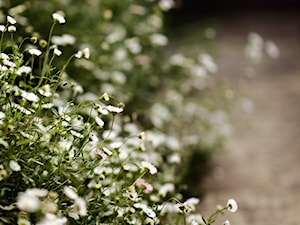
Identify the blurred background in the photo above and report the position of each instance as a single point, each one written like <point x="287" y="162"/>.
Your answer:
<point x="260" y="162"/>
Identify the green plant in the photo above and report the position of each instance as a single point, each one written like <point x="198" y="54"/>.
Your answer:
<point x="69" y="156"/>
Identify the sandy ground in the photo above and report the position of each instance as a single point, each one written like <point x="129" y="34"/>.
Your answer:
<point x="260" y="165"/>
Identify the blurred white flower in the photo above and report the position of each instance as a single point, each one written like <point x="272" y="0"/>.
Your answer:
<point x="226" y="222"/>
<point x="232" y="205"/>
<point x="34" y="52"/>
<point x="30" y="96"/>
<point x="57" y="17"/>
<point x="81" y="205"/>
<point x="165" y="189"/>
<point x="83" y="53"/>
<point x="14" y="165"/>
<point x="65" y="39"/>
<point x="51" y="219"/>
<point x="86" y="53"/>
<point x="166" y="5"/>
<point x="70" y="193"/>
<point x="28" y="203"/>
<point x="158" y="39"/>
<point x="45" y="90"/>
<point x="272" y="49"/>
<point x="146" y="209"/>
<point x="23" y="69"/>
<point x="11" y="20"/>
<point x="2" y="28"/>
<point x="99" y="121"/>
<point x="147" y="165"/>
<point x="208" y="62"/>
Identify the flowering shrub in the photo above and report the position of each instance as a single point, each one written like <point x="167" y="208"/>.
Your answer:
<point x="65" y="158"/>
<point x="169" y="96"/>
<point x="73" y="156"/>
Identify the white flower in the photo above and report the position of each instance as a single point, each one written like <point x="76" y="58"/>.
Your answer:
<point x="232" y="205"/>
<point x="99" y="121"/>
<point x="51" y="219"/>
<point x="226" y="222"/>
<point x="114" y="109"/>
<point x="30" y="96"/>
<point x="79" y="54"/>
<point x="57" y="52"/>
<point x="23" y="69"/>
<point x="70" y="193"/>
<point x="82" y="208"/>
<point x="152" y="169"/>
<point x="83" y="53"/>
<point x="166" y="188"/>
<point x="159" y="39"/>
<point x="2" y="28"/>
<point x="14" y="165"/>
<point x="35" y="52"/>
<point x="57" y="17"/>
<point x="166" y="5"/>
<point x="147" y="210"/>
<point x="65" y="39"/>
<point x="11" y="20"/>
<point x="45" y="90"/>
<point x="28" y="203"/>
<point x="12" y="29"/>
<point x="272" y="49"/>
<point x="86" y="53"/>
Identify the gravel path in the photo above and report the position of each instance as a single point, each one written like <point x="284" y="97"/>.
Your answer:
<point x="260" y="166"/>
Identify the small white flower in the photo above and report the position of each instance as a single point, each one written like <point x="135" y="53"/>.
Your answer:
<point x="2" y="28"/>
<point x="65" y="39"/>
<point x="114" y="109"/>
<point x="58" y="18"/>
<point x="272" y="49"/>
<point x="99" y="121"/>
<point x="12" y="29"/>
<point x="232" y="205"/>
<point x="30" y="96"/>
<point x="226" y="222"/>
<point x="51" y="219"/>
<point x="14" y="165"/>
<point x="152" y="169"/>
<point x="83" y="53"/>
<point x="86" y="53"/>
<point x="34" y="52"/>
<point x="11" y="20"/>
<point x="36" y="192"/>
<point x="45" y="90"/>
<point x="165" y="189"/>
<point x="57" y="52"/>
<point x="158" y="39"/>
<point x="166" y="5"/>
<point x="78" y="55"/>
<point x="82" y="208"/>
<point x="23" y="69"/>
<point x="28" y="203"/>
<point x="70" y="193"/>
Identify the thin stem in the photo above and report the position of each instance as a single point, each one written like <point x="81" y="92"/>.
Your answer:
<point x="45" y="63"/>
<point x="1" y="41"/>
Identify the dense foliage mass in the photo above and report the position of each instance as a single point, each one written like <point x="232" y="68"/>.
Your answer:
<point x="71" y="153"/>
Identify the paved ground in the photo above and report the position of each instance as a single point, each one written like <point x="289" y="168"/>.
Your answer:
<point x="260" y="166"/>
